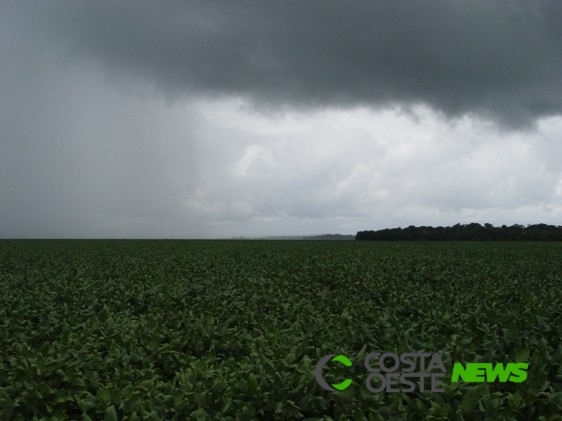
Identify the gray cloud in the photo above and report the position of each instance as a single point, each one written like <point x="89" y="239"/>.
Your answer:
<point x="500" y="60"/>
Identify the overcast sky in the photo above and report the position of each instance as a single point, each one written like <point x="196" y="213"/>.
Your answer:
<point x="206" y="119"/>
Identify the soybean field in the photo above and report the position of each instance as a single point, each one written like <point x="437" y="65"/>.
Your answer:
<point x="233" y="330"/>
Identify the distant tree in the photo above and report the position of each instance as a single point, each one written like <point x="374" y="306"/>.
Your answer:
<point x="467" y="232"/>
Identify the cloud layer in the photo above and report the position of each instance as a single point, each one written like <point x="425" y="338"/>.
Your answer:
<point x="499" y="60"/>
<point x="218" y="119"/>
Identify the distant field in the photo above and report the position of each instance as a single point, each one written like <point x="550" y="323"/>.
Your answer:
<point x="233" y="329"/>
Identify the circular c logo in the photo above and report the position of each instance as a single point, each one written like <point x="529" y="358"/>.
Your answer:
<point x="318" y="372"/>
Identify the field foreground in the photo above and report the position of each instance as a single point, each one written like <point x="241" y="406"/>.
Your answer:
<point x="233" y="329"/>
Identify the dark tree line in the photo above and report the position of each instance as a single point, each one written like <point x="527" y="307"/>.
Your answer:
<point x="467" y="232"/>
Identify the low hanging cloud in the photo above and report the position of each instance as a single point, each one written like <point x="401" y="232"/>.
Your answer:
<point x="499" y="60"/>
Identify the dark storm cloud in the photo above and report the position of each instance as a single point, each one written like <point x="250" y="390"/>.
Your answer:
<point x="500" y="60"/>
